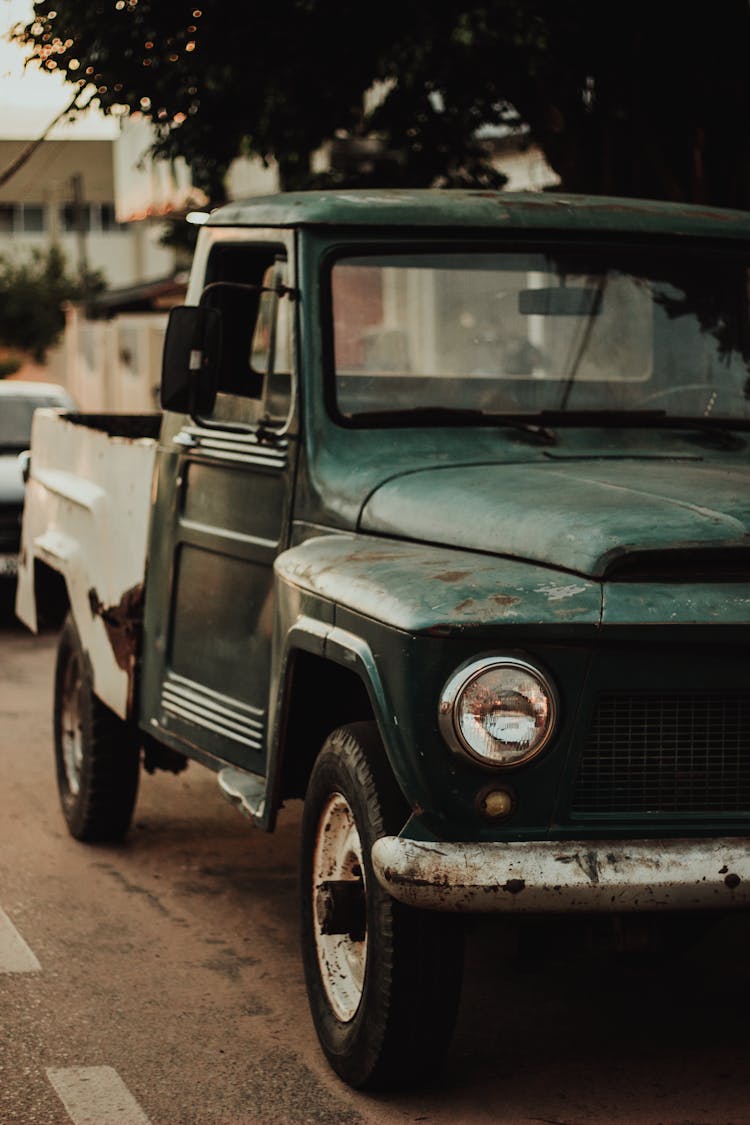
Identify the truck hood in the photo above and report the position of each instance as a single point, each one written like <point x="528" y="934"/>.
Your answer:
<point x="579" y="515"/>
<point x="11" y="481"/>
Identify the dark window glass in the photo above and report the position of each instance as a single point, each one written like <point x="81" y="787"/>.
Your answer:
<point x="76" y="218"/>
<point x="6" y="217"/>
<point x="235" y="277"/>
<point x="527" y="331"/>
<point x="107" y="218"/>
<point x="33" y="217"/>
<point x="16" y="415"/>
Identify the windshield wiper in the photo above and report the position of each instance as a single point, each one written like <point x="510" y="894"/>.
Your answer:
<point x="531" y="424"/>
<point x="603" y="417"/>
<point x="722" y="428"/>
<point x="583" y="343"/>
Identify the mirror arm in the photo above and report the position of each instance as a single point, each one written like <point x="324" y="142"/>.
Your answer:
<point x="250" y="287"/>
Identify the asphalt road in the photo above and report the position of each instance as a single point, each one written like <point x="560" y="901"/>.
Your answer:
<point x="163" y="978"/>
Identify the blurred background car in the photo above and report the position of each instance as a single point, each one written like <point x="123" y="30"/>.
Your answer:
<point x="18" y="401"/>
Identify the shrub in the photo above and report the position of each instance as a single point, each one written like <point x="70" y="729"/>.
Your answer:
<point x="32" y="295"/>
<point x="9" y="364"/>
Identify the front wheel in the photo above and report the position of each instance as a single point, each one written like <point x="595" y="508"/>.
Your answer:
<point x="97" y="756"/>
<point x="383" y="979"/>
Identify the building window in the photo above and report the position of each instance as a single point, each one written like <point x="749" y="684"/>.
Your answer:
<point x="93" y="217"/>
<point x="74" y="218"/>
<point x="26" y="218"/>
<point x="107" y="220"/>
<point x="32" y="218"/>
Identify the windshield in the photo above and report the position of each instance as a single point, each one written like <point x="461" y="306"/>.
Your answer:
<point x="15" y="418"/>
<point x="526" y="332"/>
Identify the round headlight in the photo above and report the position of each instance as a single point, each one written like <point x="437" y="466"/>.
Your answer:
<point x="499" y="710"/>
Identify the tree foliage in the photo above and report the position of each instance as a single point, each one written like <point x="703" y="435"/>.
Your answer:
<point x="33" y="293"/>
<point x="636" y="99"/>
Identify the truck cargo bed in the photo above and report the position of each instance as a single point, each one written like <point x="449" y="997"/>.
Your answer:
<point x="86" y="517"/>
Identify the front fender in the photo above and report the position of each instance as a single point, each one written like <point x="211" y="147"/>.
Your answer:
<point x="403" y="616"/>
<point x="420" y="588"/>
<point x="315" y="633"/>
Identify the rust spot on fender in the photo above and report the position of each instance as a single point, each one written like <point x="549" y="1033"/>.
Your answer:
<point x="374" y="555"/>
<point x="514" y="886"/>
<point x="504" y="599"/>
<point x="464" y="604"/>
<point x="123" y="623"/>
<point x="589" y="864"/>
<point x="453" y="576"/>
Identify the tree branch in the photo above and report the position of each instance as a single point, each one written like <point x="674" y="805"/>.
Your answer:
<point x="26" y="153"/>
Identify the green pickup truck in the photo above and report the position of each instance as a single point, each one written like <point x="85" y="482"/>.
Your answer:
<point x="445" y="529"/>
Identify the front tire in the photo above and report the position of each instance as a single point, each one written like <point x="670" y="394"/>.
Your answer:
<point x="97" y="757"/>
<point x="383" y="979"/>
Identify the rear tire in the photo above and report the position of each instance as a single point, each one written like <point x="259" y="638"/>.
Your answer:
<point x="97" y="756"/>
<point x="383" y="979"/>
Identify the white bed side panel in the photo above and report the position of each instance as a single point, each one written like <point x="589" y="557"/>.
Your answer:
<point x="86" y="514"/>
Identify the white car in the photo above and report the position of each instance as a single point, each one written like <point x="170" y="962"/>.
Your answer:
<point x="18" y="401"/>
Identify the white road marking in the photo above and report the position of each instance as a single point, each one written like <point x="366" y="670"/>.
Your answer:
<point x="15" y="955"/>
<point x="96" y="1095"/>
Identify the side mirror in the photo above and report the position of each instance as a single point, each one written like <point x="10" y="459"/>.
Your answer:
<point x="190" y="361"/>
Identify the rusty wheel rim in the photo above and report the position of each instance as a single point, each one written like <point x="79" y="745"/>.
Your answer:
<point x="341" y="957"/>
<point x="71" y="734"/>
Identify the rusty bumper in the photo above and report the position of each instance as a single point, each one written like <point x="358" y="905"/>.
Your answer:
<point x="554" y="876"/>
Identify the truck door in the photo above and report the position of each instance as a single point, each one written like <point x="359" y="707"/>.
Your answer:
<point x="232" y="486"/>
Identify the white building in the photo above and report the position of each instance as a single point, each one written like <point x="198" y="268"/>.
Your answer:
<point x="92" y="190"/>
<point x="65" y="195"/>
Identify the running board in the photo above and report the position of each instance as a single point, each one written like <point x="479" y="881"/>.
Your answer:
<point x="246" y="790"/>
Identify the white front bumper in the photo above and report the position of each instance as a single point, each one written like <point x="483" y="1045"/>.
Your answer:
<point x="561" y="876"/>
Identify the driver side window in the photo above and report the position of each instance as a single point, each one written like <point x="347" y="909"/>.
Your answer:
<point x="254" y="375"/>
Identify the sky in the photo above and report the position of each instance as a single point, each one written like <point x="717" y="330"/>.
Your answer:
<point x="30" y="99"/>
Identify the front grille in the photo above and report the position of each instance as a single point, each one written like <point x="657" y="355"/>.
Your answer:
<point x="675" y="753"/>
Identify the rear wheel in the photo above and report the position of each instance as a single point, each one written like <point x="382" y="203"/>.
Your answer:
<point x="96" y="754"/>
<point x="383" y="979"/>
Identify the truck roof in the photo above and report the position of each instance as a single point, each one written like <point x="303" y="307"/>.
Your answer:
<point x="441" y="208"/>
